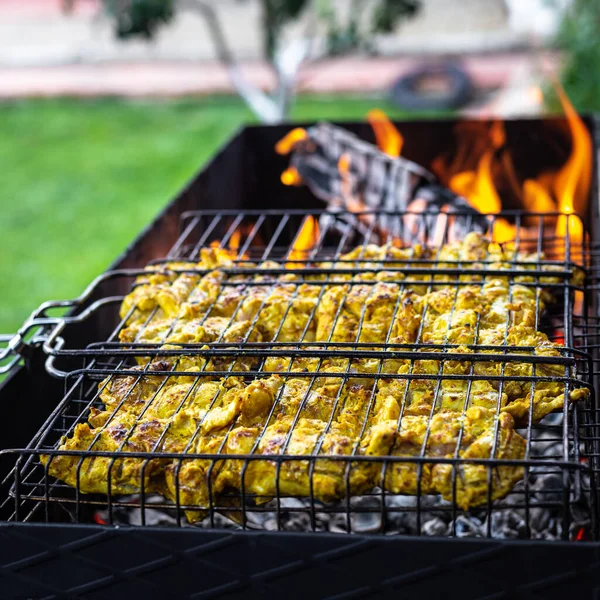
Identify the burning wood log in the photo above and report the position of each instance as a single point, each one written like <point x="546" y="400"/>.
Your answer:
<point x="348" y="173"/>
<point x="469" y="180"/>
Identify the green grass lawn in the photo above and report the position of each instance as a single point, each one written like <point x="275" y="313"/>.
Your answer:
<point x="81" y="178"/>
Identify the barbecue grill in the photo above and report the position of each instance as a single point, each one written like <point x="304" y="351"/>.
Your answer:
<point x="60" y="541"/>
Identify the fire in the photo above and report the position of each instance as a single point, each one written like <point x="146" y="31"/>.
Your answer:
<point x="305" y="241"/>
<point x="286" y="144"/>
<point x="565" y="191"/>
<point x="351" y="201"/>
<point x="389" y="139"/>
<point x="536" y="197"/>
<point x="478" y="187"/>
<point x="233" y="244"/>
<point x="234" y="240"/>
<point x="573" y="180"/>
<point x="291" y="177"/>
<point x="581" y="536"/>
<point x="474" y="170"/>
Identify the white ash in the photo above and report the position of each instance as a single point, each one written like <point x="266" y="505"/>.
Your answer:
<point x="399" y="516"/>
<point x="382" y="513"/>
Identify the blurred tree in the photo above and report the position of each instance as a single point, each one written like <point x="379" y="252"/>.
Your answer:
<point x="143" y="18"/>
<point x="579" y="37"/>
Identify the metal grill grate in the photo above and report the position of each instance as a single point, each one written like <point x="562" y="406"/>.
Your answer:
<point x="555" y="474"/>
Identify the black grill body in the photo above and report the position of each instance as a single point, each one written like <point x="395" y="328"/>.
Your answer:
<point x="55" y="560"/>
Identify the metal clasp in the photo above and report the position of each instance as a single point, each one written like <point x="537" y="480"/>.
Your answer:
<point x="17" y="347"/>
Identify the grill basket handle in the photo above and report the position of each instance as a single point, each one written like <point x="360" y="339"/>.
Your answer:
<point x="9" y="351"/>
<point x="47" y="329"/>
<point x="14" y="347"/>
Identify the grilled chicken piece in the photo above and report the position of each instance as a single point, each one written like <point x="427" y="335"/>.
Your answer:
<point x="120" y="474"/>
<point x="192" y="479"/>
<point x="399" y="414"/>
<point x="475" y="434"/>
<point x="166" y="298"/>
<point x="322" y="421"/>
<point x="139" y="418"/>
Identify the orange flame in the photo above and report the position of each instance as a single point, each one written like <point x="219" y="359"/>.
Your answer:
<point x="305" y="241"/>
<point x="389" y="139"/>
<point x="472" y="171"/>
<point x="291" y="176"/>
<point x="351" y="202"/>
<point x="536" y="197"/>
<point x="567" y="189"/>
<point x="478" y="186"/>
<point x="286" y="144"/>
<point x="573" y="180"/>
<point x="233" y="245"/>
<point x="345" y="183"/>
<point x="479" y="189"/>
<point x="234" y="240"/>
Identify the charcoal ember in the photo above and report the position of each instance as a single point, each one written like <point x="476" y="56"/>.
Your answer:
<point x="581" y="531"/>
<point x="539" y="518"/>
<point x="548" y="488"/>
<point x="322" y="521"/>
<point x="366" y="523"/>
<point x="291" y="504"/>
<point x="402" y="512"/>
<point x="338" y="523"/>
<point x="552" y="532"/>
<point x="220" y="521"/>
<point x="507" y="524"/>
<point x="468" y="526"/>
<point x="548" y="442"/>
<point x="580" y="527"/>
<point x="426" y="502"/>
<point x="366" y="514"/>
<point x="545" y="443"/>
<point x="297" y="522"/>
<point x="435" y="527"/>
<point x="400" y="515"/>
<point x="271" y="524"/>
<point x="134" y="515"/>
<point x="408" y="515"/>
<point x="293" y="516"/>
<point x="553" y="451"/>
<point x="153" y="517"/>
<point x="544" y="491"/>
<point x="553" y="419"/>
<point x="580" y="514"/>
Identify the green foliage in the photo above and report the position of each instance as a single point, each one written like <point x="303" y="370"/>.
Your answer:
<point x="388" y="13"/>
<point x="579" y="37"/>
<point x="139" y="17"/>
<point x="144" y="17"/>
<point x="276" y="15"/>
<point x="382" y="16"/>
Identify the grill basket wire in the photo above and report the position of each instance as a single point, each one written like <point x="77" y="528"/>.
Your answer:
<point x="560" y="448"/>
<point x="589" y="337"/>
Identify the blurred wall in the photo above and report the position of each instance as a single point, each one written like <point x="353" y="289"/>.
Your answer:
<point x="37" y="32"/>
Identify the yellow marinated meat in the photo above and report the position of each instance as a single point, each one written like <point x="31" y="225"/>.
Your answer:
<point x="191" y="479"/>
<point x="309" y="420"/>
<point x="139" y="418"/>
<point x="443" y="405"/>
<point x="474" y="434"/>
